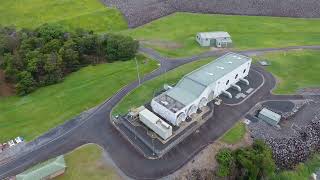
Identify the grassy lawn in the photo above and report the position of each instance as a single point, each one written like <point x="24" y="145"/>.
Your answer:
<point x="174" y="35"/>
<point x="88" y="14"/>
<point x="145" y="92"/>
<point x="235" y="134"/>
<point x="294" y="70"/>
<point x="87" y="163"/>
<point x="36" y="113"/>
<point x="302" y="172"/>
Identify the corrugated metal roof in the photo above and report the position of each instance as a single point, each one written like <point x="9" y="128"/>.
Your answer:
<point x="44" y="169"/>
<point x="270" y="114"/>
<point x="194" y="83"/>
<point x="214" y="35"/>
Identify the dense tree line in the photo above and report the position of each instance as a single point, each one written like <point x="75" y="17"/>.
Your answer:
<point x="40" y="57"/>
<point x="254" y="162"/>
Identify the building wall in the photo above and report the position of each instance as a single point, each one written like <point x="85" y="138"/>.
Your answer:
<point x="217" y="87"/>
<point x="163" y="112"/>
<point x="221" y="83"/>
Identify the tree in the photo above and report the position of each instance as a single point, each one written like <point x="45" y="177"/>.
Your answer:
<point x="226" y="162"/>
<point x="70" y="55"/>
<point x="119" y="47"/>
<point x="10" y="65"/>
<point x="52" y="46"/>
<point x="255" y="162"/>
<point x="26" y="83"/>
<point x="50" y="31"/>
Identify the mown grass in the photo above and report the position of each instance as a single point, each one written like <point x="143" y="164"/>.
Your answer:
<point x="36" y="113"/>
<point x="248" y="32"/>
<point x="87" y="163"/>
<point x="87" y="14"/>
<point x="146" y="91"/>
<point x="235" y="134"/>
<point x="294" y="70"/>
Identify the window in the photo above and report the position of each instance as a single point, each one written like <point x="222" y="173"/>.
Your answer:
<point x="227" y="82"/>
<point x="236" y="76"/>
<point x="244" y="70"/>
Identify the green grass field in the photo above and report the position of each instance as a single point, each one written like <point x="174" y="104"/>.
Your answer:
<point x="235" y="134"/>
<point x="145" y="92"/>
<point x="36" y="113"/>
<point x="174" y="35"/>
<point x="87" y="162"/>
<point x="294" y="70"/>
<point x="88" y="14"/>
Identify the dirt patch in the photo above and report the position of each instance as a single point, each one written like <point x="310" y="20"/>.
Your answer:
<point x="6" y="89"/>
<point x="206" y="158"/>
<point x="162" y="44"/>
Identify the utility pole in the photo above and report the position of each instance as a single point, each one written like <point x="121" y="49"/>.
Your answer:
<point x="137" y="67"/>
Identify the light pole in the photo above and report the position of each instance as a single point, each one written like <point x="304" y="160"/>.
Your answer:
<point x="137" y="67"/>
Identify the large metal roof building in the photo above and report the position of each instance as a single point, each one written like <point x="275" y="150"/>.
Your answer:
<point x="200" y="86"/>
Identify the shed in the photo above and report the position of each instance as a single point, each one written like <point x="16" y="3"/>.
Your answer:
<point x="217" y="39"/>
<point x="46" y="170"/>
<point x="269" y="116"/>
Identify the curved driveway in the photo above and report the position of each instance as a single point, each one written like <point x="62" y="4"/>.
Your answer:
<point x="95" y="127"/>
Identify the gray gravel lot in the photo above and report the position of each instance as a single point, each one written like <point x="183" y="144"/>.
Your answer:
<point x="139" y="12"/>
<point x="299" y="135"/>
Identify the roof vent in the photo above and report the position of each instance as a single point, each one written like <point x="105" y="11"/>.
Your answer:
<point x="211" y="74"/>
<point x="164" y="103"/>
<point x="219" y="67"/>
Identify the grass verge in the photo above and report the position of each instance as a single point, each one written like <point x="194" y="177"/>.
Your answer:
<point x="294" y="70"/>
<point x="87" y="163"/>
<point x="88" y="14"/>
<point x="31" y="115"/>
<point x="174" y="35"/>
<point x="235" y="134"/>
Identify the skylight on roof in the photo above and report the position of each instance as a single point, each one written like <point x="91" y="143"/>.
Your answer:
<point x="220" y="67"/>
<point x="211" y="74"/>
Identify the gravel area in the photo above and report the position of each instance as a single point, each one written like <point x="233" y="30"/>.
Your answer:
<point x="297" y="137"/>
<point x="139" y="12"/>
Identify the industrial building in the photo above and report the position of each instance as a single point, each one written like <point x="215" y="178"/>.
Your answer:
<point x="201" y="86"/>
<point x="217" y="39"/>
<point x="269" y="117"/>
<point x="157" y="125"/>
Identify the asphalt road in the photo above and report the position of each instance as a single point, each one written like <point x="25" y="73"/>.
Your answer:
<point x="95" y="127"/>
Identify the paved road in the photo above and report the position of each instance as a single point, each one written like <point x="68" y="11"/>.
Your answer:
<point x="95" y="127"/>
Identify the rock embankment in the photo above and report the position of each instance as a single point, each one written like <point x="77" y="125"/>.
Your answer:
<point x="139" y="12"/>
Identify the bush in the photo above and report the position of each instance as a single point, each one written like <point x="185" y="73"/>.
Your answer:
<point x="226" y="162"/>
<point x="253" y="162"/>
<point x="119" y="47"/>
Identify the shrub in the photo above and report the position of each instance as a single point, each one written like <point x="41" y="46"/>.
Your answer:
<point x="226" y="161"/>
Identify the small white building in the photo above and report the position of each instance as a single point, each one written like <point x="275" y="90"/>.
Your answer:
<point x="201" y="86"/>
<point x="157" y="125"/>
<point x="217" y="39"/>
